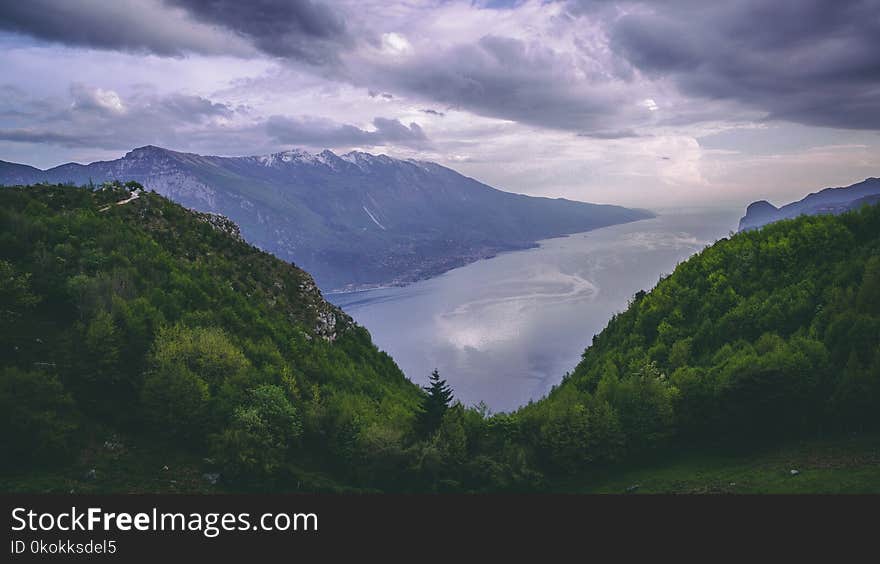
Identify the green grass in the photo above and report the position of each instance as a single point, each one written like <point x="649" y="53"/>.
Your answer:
<point x="842" y="465"/>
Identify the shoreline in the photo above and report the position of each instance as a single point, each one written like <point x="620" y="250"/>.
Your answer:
<point x="535" y="245"/>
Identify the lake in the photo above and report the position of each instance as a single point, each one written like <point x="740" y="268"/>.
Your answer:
<point x="505" y="330"/>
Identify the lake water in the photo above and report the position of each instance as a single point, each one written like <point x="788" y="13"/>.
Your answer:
<point x="505" y="330"/>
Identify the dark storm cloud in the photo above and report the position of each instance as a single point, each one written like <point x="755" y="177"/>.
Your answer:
<point x="137" y="26"/>
<point x="299" y="29"/>
<point x="317" y="132"/>
<point x="43" y="136"/>
<point x="511" y="79"/>
<point x="294" y="29"/>
<point x="193" y="108"/>
<point x="807" y="61"/>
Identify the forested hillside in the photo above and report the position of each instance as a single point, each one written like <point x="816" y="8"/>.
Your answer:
<point x="145" y="347"/>
<point x="769" y="334"/>
<point x="154" y="321"/>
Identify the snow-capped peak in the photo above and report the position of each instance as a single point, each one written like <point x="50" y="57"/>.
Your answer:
<point x="298" y="155"/>
<point x="325" y="157"/>
<point x="361" y="158"/>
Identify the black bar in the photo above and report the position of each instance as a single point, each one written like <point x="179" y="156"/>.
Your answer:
<point x="375" y="525"/>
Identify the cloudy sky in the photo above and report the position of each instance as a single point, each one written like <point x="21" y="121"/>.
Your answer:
<point x="650" y="103"/>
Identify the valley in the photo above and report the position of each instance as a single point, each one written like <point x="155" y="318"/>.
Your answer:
<point x="142" y="332"/>
<point x="504" y="331"/>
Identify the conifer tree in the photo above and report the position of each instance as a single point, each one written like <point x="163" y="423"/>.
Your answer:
<point x="434" y="404"/>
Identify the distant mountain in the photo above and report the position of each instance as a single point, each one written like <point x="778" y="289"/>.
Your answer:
<point x="829" y="200"/>
<point x="351" y="220"/>
<point x="12" y="174"/>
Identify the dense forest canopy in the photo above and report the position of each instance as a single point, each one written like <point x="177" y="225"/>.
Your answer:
<point x="767" y="334"/>
<point x="159" y="324"/>
<point x="150" y="318"/>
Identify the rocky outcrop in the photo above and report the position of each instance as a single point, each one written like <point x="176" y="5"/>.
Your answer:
<point x="757" y="214"/>
<point x="222" y="224"/>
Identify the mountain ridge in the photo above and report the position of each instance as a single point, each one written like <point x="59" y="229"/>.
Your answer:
<point x="353" y="220"/>
<point x="833" y="200"/>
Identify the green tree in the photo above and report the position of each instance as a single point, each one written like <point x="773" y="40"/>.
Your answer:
<point x="188" y="368"/>
<point x="644" y="403"/>
<point x="869" y="291"/>
<point x="38" y="418"/>
<point x="451" y="438"/>
<point x="101" y="342"/>
<point x="434" y="405"/>
<point x="205" y="351"/>
<point x="15" y="293"/>
<point x="16" y="299"/>
<point x="176" y="401"/>
<point x="857" y="396"/>
<point x="581" y="432"/>
<point x="260" y="435"/>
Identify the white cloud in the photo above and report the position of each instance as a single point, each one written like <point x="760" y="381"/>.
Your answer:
<point x="96" y="99"/>
<point x="395" y="43"/>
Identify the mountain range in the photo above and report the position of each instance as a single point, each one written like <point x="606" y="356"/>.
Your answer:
<point x="829" y="200"/>
<point x="354" y="220"/>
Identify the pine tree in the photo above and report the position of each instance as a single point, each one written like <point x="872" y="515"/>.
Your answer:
<point x="434" y="405"/>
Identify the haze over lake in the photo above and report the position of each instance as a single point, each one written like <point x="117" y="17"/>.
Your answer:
<point x="505" y="330"/>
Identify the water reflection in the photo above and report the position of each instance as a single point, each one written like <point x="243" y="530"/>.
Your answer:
<point x="505" y="330"/>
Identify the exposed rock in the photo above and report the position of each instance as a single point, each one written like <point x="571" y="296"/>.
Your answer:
<point x="757" y="214"/>
<point x="113" y="444"/>
<point x="326" y="325"/>
<point x="222" y="224"/>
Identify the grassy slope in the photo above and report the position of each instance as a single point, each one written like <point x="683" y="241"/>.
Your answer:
<point x="832" y="465"/>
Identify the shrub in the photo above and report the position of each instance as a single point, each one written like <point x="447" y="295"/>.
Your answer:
<point x="39" y="421"/>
